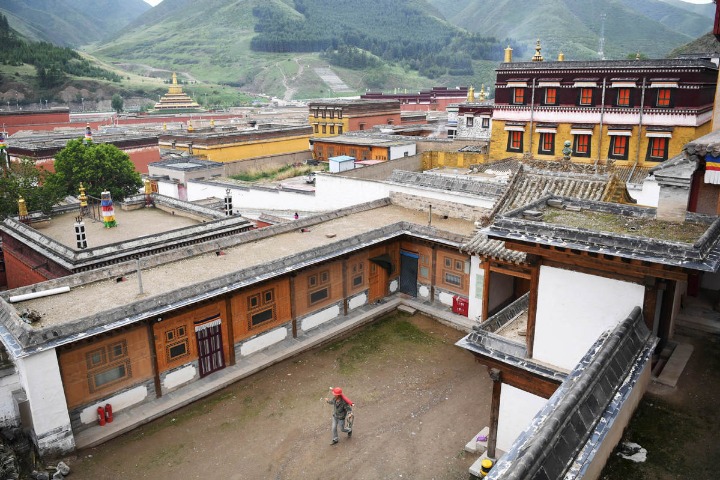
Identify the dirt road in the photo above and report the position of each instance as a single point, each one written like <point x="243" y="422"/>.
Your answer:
<point x="418" y="399"/>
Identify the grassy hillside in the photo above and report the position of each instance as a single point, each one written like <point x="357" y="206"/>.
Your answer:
<point x="652" y="27"/>
<point x="274" y="46"/>
<point x="705" y="44"/>
<point x="71" y="22"/>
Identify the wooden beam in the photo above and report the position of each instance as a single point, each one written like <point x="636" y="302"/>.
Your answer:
<point x="231" y="333"/>
<point x="293" y="308"/>
<point x="509" y="271"/>
<point x="604" y="262"/>
<point x="153" y="358"/>
<point x="486" y="291"/>
<point x="520" y="378"/>
<point x="344" y="286"/>
<point x="650" y="306"/>
<point x="532" y="310"/>
<point x="496" y="377"/>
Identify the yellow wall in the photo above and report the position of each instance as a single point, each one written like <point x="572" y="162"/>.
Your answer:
<point x="452" y="159"/>
<point x="345" y="121"/>
<point x="244" y="151"/>
<point x="599" y="144"/>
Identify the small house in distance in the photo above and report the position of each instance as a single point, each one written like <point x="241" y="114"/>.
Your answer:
<point x="341" y="163"/>
<point x="337" y="116"/>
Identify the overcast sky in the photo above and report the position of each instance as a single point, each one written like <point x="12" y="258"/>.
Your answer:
<point x="155" y="2"/>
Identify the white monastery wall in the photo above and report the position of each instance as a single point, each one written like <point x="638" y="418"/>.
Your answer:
<point x="517" y="409"/>
<point x="573" y="309"/>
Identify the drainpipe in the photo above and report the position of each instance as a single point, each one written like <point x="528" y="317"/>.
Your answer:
<point x="532" y="113"/>
<point x="602" y="121"/>
<point x="640" y="124"/>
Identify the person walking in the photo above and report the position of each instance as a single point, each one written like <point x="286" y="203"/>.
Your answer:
<point x="342" y="408"/>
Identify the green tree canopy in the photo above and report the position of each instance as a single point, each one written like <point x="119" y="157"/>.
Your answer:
<point x="117" y="103"/>
<point x="27" y="181"/>
<point x="98" y="167"/>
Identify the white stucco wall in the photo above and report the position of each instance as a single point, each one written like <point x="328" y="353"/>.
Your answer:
<point x="402" y="151"/>
<point x="263" y="341"/>
<point x="357" y="301"/>
<point x="40" y="378"/>
<point x="317" y="319"/>
<point x="648" y="194"/>
<point x="477" y="280"/>
<point x="9" y="414"/>
<point x="573" y="309"/>
<point x="517" y="409"/>
<point x="118" y="402"/>
<point x="446" y="298"/>
<point x="168" y="189"/>
<point x="179" y="377"/>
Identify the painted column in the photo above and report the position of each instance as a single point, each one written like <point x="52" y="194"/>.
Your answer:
<point x="41" y="380"/>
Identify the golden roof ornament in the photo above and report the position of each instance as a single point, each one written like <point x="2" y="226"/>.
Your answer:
<point x="190" y="127"/>
<point x="471" y="94"/>
<point x="561" y="57"/>
<point x="537" y="57"/>
<point x="483" y="95"/>
<point x="22" y="207"/>
<point x="508" y="54"/>
<point x="82" y="197"/>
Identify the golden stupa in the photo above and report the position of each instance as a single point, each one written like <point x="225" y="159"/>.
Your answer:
<point x="175" y="99"/>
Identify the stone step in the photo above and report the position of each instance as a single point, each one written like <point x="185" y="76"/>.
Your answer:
<point x="477" y="446"/>
<point x="675" y="365"/>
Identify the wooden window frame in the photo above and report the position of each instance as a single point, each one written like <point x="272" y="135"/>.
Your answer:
<point x="613" y="152"/>
<point x="515" y="137"/>
<point x="624" y="97"/>
<point x="518" y="96"/>
<point x="469" y="121"/>
<point x="657" y="153"/>
<point x="322" y="284"/>
<point x="266" y="302"/>
<point x="586" y="96"/>
<point x="546" y="146"/>
<point x="109" y="361"/>
<point x="663" y="98"/>
<point x="578" y="143"/>
<point x="485" y="123"/>
<point x="551" y="97"/>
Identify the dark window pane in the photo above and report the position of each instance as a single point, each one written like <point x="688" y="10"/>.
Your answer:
<point x="319" y="295"/>
<point x="261" y="317"/>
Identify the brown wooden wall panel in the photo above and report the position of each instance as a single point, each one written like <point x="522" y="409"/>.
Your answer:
<point x="75" y="362"/>
<point x="318" y="287"/>
<point x="168" y="333"/>
<point x="358" y="270"/>
<point x="452" y="266"/>
<point x="244" y="310"/>
<point x="425" y="260"/>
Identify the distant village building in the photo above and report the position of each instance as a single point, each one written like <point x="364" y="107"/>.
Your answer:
<point x="369" y="147"/>
<point x="435" y="99"/>
<point x="631" y="112"/>
<point x="176" y="100"/>
<point x="140" y="145"/>
<point x="336" y="116"/>
<point x="472" y="118"/>
<point x="231" y="144"/>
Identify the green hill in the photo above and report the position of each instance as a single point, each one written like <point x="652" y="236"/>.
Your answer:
<point x="71" y="22"/>
<point x="652" y="27"/>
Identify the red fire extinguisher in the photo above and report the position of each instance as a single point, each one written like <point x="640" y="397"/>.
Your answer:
<point x="108" y="413"/>
<point x="101" y="416"/>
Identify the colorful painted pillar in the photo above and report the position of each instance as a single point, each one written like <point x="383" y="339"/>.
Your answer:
<point x="108" y="211"/>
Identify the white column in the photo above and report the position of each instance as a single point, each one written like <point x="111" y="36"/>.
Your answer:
<point x="475" y="295"/>
<point x="40" y="378"/>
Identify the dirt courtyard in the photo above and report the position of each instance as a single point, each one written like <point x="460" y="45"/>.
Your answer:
<point x="418" y="400"/>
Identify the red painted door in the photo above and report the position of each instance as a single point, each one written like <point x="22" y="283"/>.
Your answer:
<point x="210" y="349"/>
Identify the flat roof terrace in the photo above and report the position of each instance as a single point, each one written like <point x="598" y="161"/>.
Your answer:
<point x="89" y="308"/>
<point x="131" y="224"/>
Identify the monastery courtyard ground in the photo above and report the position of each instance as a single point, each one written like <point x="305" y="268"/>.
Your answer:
<point x="419" y="399"/>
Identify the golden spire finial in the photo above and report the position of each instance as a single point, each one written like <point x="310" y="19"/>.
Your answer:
<point x="212" y="123"/>
<point x="471" y="94"/>
<point x="174" y="78"/>
<point x="508" y="54"/>
<point x="190" y="127"/>
<point x="561" y="57"/>
<point x="637" y="56"/>
<point x="483" y="95"/>
<point x="537" y="57"/>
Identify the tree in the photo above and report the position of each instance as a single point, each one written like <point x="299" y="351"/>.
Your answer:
<point x="117" y="103"/>
<point x="27" y="181"/>
<point x="98" y="167"/>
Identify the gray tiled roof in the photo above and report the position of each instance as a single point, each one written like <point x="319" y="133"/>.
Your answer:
<point x="564" y="437"/>
<point x="702" y="255"/>
<point x="460" y="184"/>
<point x="529" y="185"/>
